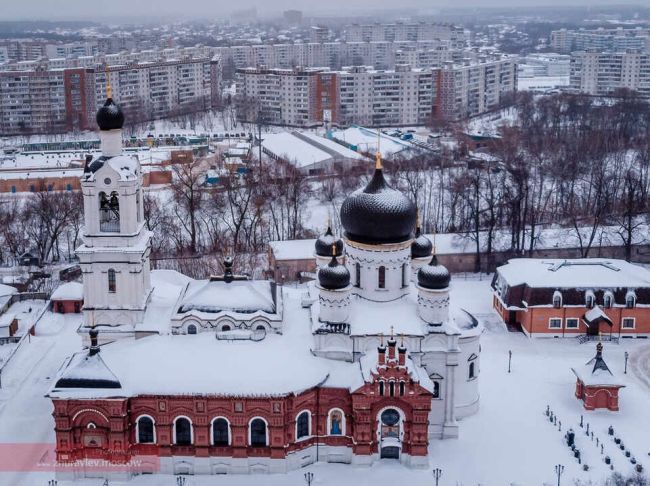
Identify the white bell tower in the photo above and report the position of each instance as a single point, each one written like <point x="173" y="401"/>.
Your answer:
<point x="114" y="257"/>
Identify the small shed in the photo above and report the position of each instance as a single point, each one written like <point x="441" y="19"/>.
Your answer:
<point x="8" y="325"/>
<point x="68" y="298"/>
<point x="596" y="385"/>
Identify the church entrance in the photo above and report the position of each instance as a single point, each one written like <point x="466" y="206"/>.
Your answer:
<point x="390" y="425"/>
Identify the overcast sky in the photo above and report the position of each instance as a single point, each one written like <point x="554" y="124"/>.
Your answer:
<point x="110" y="9"/>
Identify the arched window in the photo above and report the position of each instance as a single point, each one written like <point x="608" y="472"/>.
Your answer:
<point x="257" y="433"/>
<point x="191" y="329"/>
<point x="220" y="432"/>
<point x="630" y="300"/>
<point x="302" y="425"/>
<point x="557" y="300"/>
<point x="472" y="372"/>
<point x="381" y="388"/>
<point x="608" y="300"/>
<point x="401" y="388"/>
<point x="109" y="212"/>
<point x="405" y="277"/>
<point x="357" y="274"/>
<point x="91" y="425"/>
<point x="589" y="299"/>
<point x="145" y="430"/>
<point x="381" y="277"/>
<point x="260" y="328"/>
<point x="112" y="283"/>
<point x="336" y="422"/>
<point x="137" y="205"/>
<point x="182" y="431"/>
<point x="436" y="389"/>
<point x="391" y="388"/>
<point x="225" y="327"/>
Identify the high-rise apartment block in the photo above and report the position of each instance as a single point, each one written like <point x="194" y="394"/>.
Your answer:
<point x="601" y="73"/>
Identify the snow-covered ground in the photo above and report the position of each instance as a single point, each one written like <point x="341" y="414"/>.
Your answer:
<point x="509" y="442"/>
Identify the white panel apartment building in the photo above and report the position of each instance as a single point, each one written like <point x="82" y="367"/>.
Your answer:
<point x="397" y="97"/>
<point x="601" y="73"/>
<point x="406" y="32"/>
<point x="470" y="88"/>
<point x="618" y="39"/>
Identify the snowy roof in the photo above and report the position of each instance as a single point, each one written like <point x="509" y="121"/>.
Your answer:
<point x="595" y="314"/>
<point x="293" y="249"/>
<point x="596" y="372"/>
<point x="6" y="290"/>
<point x="577" y="273"/>
<point x="126" y="166"/>
<point x="87" y="371"/>
<point x="68" y="291"/>
<point x="366" y="141"/>
<point x="369" y="364"/>
<point x="167" y="286"/>
<point x="243" y="296"/>
<point x="305" y="149"/>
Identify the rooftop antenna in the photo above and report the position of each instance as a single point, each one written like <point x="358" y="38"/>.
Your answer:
<point x="378" y="165"/>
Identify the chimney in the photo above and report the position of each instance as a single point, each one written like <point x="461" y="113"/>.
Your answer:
<point x="94" y="347"/>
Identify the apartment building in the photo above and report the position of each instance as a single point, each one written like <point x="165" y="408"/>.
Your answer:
<point x="401" y="31"/>
<point x="618" y="39"/>
<point x="279" y="96"/>
<point x="470" y="88"/>
<point x="601" y="73"/>
<point x="34" y="98"/>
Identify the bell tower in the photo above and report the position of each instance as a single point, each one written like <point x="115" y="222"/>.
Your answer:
<point x="114" y="256"/>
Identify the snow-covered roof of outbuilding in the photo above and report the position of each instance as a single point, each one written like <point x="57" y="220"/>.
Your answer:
<point x="68" y="291"/>
<point x="596" y="372"/>
<point x="574" y="273"/>
<point x="241" y="296"/>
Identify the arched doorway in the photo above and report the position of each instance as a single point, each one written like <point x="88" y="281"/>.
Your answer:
<point x="390" y="433"/>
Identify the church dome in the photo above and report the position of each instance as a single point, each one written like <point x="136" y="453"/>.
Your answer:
<point x="333" y="276"/>
<point x="421" y="246"/>
<point x="325" y="242"/>
<point x="378" y="213"/>
<point x="434" y="276"/>
<point x="110" y="116"/>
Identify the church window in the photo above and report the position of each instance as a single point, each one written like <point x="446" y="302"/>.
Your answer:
<point x="137" y="205"/>
<point x="225" y="327"/>
<point x="191" y="329"/>
<point x="302" y="425"/>
<point x="145" y="430"/>
<point x="220" y="432"/>
<point x="589" y="299"/>
<point x="109" y="212"/>
<point x="357" y="274"/>
<point x="401" y="388"/>
<point x="336" y="422"/>
<point x="381" y="278"/>
<point x="391" y="388"/>
<point x="404" y="275"/>
<point x="258" y="433"/>
<point x="381" y="388"/>
<point x="91" y="425"/>
<point x="182" y="431"/>
<point x="607" y="300"/>
<point x="112" y="284"/>
<point x="436" y="389"/>
<point x="472" y="372"/>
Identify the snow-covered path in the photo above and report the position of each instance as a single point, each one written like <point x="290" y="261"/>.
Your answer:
<point x="640" y="364"/>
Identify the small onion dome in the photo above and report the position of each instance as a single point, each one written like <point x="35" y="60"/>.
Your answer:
<point x="333" y="276"/>
<point x="325" y="242"/>
<point x="110" y="116"/>
<point x="434" y="276"/>
<point x="378" y="213"/>
<point x="421" y="246"/>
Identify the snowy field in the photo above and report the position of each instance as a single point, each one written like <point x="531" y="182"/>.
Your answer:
<point x="509" y="442"/>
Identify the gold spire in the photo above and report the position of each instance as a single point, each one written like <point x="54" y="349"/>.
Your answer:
<point x="381" y="336"/>
<point x="109" y="90"/>
<point x="334" y="249"/>
<point x="417" y="218"/>
<point x="433" y="247"/>
<point x="378" y="165"/>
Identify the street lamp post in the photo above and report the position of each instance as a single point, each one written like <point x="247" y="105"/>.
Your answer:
<point x="309" y="477"/>
<point x="559" y="469"/>
<point x="437" y="472"/>
<point x="627" y="355"/>
<point x="509" y="359"/>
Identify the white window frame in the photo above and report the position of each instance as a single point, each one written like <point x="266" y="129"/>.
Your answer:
<point x="309" y="434"/>
<point x="551" y="319"/>
<point x="329" y="422"/>
<point x="250" y="435"/>
<point x="566" y="323"/>
<point x="633" y="319"/>
<point x="212" y="444"/>
<point x="137" y="429"/>
<point x="608" y="295"/>
<point x="191" y="429"/>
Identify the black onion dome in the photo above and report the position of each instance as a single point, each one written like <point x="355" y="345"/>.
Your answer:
<point x="333" y="276"/>
<point x="421" y="246"/>
<point x="326" y="241"/>
<point x="434" y="276"/>
<point x="110" y="116"/>
<point x="378" y="213"/>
